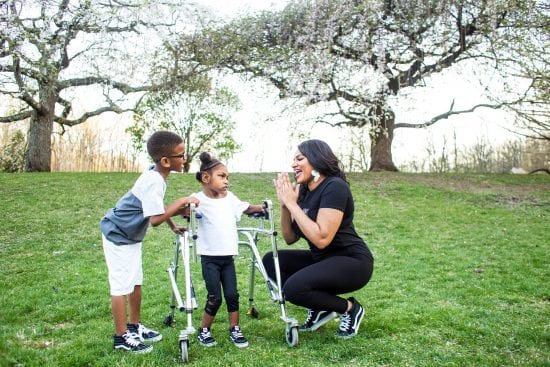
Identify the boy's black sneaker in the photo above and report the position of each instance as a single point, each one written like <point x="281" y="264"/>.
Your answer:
<point x="144" y="334"/>
<point x="131" y="343"/>
<point x="205" y="338"/>
<point x="236" y="336"/>
<point x="350" y="320"/>
<point x="316" y="319"/>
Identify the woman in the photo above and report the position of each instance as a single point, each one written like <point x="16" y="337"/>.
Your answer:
<point x="319" y="208"/>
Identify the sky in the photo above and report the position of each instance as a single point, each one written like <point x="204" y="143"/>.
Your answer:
<point x="267" y="133"/>
<point x="231" y="8"/>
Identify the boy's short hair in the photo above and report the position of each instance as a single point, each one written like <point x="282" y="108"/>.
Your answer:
<point x="162" y="144"/>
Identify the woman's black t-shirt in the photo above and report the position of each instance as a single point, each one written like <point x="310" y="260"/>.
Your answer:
<point x="333" y="193"/>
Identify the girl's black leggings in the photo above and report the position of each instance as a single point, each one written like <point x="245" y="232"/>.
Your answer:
<point x="218" y="272"/>
<point x="316" y="285"/>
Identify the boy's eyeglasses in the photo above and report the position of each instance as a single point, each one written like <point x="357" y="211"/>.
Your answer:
<point x="182" y="156"/>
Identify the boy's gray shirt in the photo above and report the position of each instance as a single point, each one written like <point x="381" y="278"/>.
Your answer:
<point x="128" y="221"/>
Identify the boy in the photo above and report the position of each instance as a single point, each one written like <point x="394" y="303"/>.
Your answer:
<point x="123" y="229"/>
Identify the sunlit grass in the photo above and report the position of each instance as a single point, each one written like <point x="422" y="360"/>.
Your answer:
<point x="460" y="279"/>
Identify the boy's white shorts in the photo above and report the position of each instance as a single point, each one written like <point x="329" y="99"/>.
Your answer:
<point x="124" y="266"/>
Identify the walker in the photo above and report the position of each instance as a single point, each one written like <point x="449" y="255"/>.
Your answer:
<point x="184" y="244"/>
<point x="249" y="237"/>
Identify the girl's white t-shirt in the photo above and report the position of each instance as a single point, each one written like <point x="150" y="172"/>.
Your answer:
<point x="217" y="225"/>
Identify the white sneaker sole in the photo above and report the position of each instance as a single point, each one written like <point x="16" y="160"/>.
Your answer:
<point x="321" y="322"/>
<point x="142" y="351"/>
<point x="155" y="339"/>
<point x="241" y="345"/>
<point x="208" y="345"/>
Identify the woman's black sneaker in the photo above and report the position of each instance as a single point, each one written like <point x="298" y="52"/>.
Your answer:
<point x="316" y="319"/>
<point x="350" y="320"/>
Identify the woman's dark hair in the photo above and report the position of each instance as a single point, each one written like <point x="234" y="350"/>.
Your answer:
<point x="321" y="157"/>
<point x="162" y="144"/>
<point x="207" y="163"/>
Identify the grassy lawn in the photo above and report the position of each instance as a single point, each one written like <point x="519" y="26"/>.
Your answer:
<point x="462" y="271"/>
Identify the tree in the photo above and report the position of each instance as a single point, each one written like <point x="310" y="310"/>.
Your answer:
<point x="532" y="64"/>
<point x="51" y="51"/>
<point x="199" y="115"/>
<point x="12" y="155"/>
<point x="356" y="58"/>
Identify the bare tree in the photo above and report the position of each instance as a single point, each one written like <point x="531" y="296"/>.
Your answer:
<point x="52" y="51"/>
<point x="357" y="57"/>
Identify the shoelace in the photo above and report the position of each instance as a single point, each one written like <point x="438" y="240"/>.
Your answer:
<point x="309" y="316"/>
<point x="143" y="330"/>
<point x="131" y="339"/>
<point x="205" y="333"/>
<point x="237" y="333"/>
<point x="345" y="321"/>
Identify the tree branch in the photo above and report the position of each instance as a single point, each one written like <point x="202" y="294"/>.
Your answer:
<point x="72" y="122"/>
<point x="450" y="113"/>
<point x="93" y="80"/>
<point x="22" y="71"/>
<point x="24" y="94"/>
<point x="15" y="117"/>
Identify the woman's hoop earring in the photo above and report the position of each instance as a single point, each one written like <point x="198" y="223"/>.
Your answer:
<point x="315" y="175"/>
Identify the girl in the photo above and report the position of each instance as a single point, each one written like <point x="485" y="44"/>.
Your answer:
<point x="217" y="243"/>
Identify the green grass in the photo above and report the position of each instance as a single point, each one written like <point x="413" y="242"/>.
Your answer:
<point x="462" y="268"/>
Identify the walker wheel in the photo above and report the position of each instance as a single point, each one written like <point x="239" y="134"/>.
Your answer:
<point x="253" y="312"/>
<point x="184" y="350"/>
<point x="168" y="320"/>
<point x="291" y="334"/>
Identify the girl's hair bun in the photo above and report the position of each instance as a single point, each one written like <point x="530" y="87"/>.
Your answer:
<point x="205" y="158"/>
<point x="207" y="163"/>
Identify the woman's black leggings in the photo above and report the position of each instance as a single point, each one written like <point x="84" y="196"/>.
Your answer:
<point x="316" y="285"/>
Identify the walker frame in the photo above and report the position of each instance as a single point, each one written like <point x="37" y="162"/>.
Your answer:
<point x="185" y="247"/>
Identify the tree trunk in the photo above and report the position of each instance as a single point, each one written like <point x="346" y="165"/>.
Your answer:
<point x="39" y="138"/>
<point x="39" y="145"/>
<point x="380" y="153"/>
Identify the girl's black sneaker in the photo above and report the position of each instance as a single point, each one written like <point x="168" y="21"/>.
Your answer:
<point x="236" y="336"/>
<point x="205" y="338"/>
